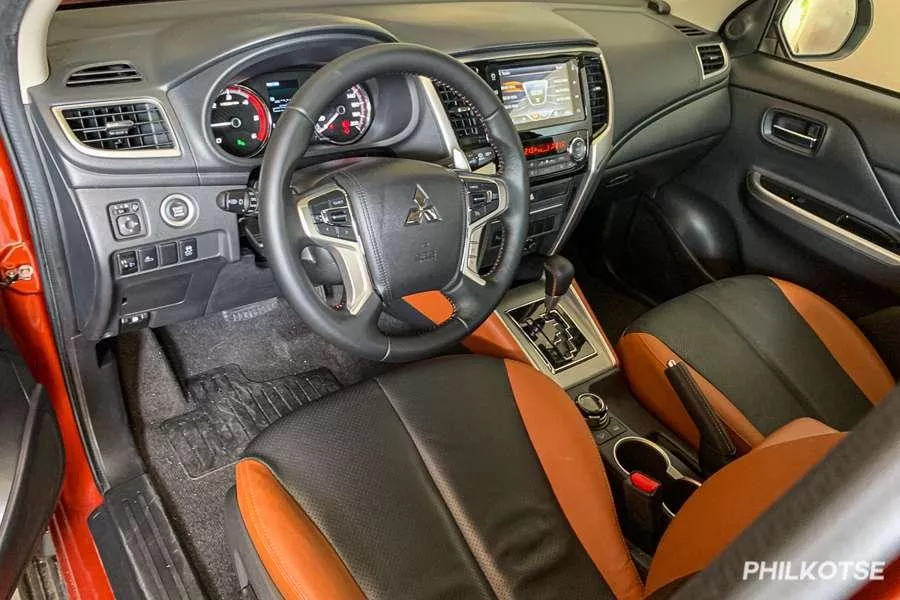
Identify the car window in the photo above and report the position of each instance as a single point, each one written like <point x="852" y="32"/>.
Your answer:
<point x="822" y="27"/>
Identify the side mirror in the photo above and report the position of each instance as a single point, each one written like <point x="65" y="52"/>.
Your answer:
<point x="824" y="29"/>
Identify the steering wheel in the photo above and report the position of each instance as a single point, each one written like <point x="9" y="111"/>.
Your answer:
<point x="394" y="226"/>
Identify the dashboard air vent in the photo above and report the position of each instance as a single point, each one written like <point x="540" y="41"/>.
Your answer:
<point x="118" y="128"/>
<point x="106" y="73"/>
<point x="467" y="127"/>
<point x="690" y="30"/>
<point x="598" y="94"/>
<point x="712" y="59"/>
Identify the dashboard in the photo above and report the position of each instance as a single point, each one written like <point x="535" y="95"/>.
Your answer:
<point x="156" y="116"/>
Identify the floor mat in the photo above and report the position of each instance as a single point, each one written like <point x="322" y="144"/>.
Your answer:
<point x="232" y="410"/>
<point x="170" y="377"/>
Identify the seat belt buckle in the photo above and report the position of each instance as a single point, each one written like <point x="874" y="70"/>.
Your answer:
<point x="643" y="508"/>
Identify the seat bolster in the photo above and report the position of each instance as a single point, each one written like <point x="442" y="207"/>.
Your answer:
<point x="299" y="560"/>
<point x="850" y="348"/>
<point x="729" y="501"/>
<point x="569" y="457"/>
<point x="796" y="429"/>
<point x="644" y="358"/>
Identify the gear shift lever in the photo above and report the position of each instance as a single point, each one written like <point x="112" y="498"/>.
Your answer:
<point x="558" y="276"/>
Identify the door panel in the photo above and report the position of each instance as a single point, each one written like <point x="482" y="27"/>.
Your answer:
<point x="838" y="232"/>
<point x="31" y="465"/>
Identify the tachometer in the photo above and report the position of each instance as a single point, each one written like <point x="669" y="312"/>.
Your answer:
<point x="240" y="121"/>
<point x="348" y="119"/>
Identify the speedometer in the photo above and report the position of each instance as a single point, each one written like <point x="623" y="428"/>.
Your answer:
<point x="240" y="121"/>
<point x="347" y="119"/>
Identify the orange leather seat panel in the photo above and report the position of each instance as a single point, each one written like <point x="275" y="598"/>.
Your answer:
<point x="644" y="359"/>
<point x="295" y="554"/>
<point x="569" y="457"/>
<point x="729" y="501"/>
<point x="844" y="340"/>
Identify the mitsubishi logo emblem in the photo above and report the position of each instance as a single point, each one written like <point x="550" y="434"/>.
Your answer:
<point x="423" y="211"/>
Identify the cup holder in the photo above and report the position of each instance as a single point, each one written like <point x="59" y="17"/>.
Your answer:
<point x="639" y="454"/>
<point x="675" y="493"/>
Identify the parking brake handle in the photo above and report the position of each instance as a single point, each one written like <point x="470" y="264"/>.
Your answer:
<point x="716" y="447"/>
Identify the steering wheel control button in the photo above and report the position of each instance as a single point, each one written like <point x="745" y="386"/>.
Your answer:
<point x="148" y="258"/>
<point x="187" y="249"/>
<point x="168" y="254"/>
<point x="332" y="216"/>
<point x="127" y="219"/>
<point x="483" y="198"/>
<point x="178" y="210"/>
<point x="126" y="262"/>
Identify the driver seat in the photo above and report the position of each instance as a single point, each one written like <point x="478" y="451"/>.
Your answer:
<point x="459" y="477"/>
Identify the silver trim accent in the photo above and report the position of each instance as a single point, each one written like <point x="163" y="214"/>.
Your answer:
<point x="725" y="54"/>
<point x="598" y="154"/>
<point x="84" y="149"/>
<point x="474" y="231"/>
<point x="671" y="513"/>
<point x="830" y="230"/>
<point x="192" y="211"/>
<point x="460" y="162"/>
<point x="599" y="149"/>
<point x="526" y="53"/>
<point x="349" y="256"/>
<point x="31" y="53"/>
<point x="797" y="134"/>
<point x="602" y="363"/>
<point x="556" y="309"/>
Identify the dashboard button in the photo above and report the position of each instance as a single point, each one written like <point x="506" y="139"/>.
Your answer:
<point x="168" y="254"/>
<point x="578" y="149"/>
<point x="129" y="225"/>
<point x="187" y="249"/>
<point x="148" y="258"/>
<point x="178" y="210"/>
<point x="127" y="262"/>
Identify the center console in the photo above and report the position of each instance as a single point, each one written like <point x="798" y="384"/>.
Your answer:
<point x="559" y="102"/>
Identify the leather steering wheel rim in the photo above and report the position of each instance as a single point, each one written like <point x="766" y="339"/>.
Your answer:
<point x="281" y="217"/>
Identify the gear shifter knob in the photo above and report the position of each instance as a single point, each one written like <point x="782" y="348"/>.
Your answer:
<point x="558" y="276"/>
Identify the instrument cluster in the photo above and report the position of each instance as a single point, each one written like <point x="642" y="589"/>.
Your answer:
<point x="242" y="116"/>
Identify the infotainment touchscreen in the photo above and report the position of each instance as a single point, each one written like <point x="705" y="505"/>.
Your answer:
<point x="541" y="94"/>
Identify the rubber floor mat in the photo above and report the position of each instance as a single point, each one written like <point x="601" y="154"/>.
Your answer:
<point x="230" y="410"/>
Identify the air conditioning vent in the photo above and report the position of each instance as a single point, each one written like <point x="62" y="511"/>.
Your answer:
<point x="104" y="74"/>
<point x="466" y="125"/>
<point x="713" y="59"/>
<point x="138" y="127"/>
<point x="598" y="94"/>
<point x="690" y="30"/>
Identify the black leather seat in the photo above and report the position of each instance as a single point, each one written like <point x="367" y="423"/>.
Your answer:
<point x="460" y="477"/>
<point x="764" y="351"/>
<point x="464" y="477"/>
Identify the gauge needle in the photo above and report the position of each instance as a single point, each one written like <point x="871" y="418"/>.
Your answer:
<point x="220" y="125"/>
<point x="333" y="118"/>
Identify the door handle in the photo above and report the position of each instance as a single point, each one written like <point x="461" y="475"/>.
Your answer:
<point x="793" y="132"/>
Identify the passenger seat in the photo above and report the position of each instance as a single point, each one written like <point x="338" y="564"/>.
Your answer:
<point x="765" y="352"/>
